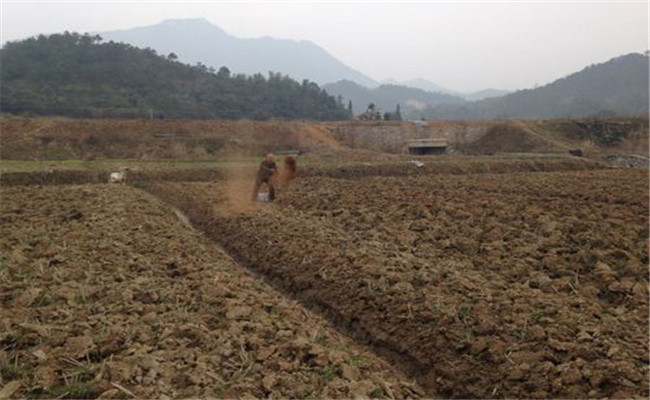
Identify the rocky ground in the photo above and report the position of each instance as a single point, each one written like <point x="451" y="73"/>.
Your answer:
<point x="104" y="292"/>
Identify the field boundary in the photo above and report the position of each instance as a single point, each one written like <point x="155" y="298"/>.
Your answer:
<point x="69" y="177"/>
<point x="359" y="170"/>
<point x="453" y="168"/>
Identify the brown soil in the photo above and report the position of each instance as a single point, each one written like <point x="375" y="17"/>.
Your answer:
<point x="104" y="291"/>
<point x="454" y="165"/>
<point x="516" y="285"/>
<point x="341" y="164"/>
<point x="599" y="135"/>
<point x="65" y="177"/>
<point x="513" y="137"/>
<point x="62" y="138"/>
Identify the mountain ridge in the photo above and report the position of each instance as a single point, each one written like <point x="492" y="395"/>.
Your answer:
<point x="197" y="40"/>
<point x="387" y="96"/>
<point x="75" y="75"/>
<point x="618" y="86"/>
<point x="430" y="86"/>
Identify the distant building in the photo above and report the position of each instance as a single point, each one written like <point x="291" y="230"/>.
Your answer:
<point x="427" y="146"/>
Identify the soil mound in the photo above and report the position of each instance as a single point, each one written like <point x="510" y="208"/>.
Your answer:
<point x="509" y="139"/>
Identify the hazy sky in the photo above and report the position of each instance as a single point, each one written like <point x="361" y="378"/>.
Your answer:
<point x="460" y="45"/>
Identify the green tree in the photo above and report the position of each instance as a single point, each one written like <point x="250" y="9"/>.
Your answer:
<point x="224" y="73"/>
<point x="397" y="116"/>
<point x="78" y="76"/>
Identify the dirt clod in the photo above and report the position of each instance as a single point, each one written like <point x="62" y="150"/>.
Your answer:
<point x="483" y="285"/>
<point x="138" y="304"/>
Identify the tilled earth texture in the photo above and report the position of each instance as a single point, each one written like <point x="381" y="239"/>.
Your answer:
<point x="524" y="285"/>
<point x="105" y="292"/>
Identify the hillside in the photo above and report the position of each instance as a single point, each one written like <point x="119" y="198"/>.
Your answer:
<point x="616" y="87"/>
<point x="197" y="40"/>
<point x="73" y="75"/>
<point x="421" y="84"/>
<point x="484" y="94"/>
<point x="433" y="87"/>
<point x="387" y="97"/>
<point x="343" y="141"/>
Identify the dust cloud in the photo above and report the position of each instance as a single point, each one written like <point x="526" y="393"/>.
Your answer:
<point x="240" y="180"/>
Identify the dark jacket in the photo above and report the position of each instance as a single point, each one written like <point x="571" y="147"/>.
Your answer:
<point x="267" y="169"/>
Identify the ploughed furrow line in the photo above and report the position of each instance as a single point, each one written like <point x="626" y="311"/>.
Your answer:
<point x="55" y="174"/>
<point x="105" y="293"/>
<point x="457" y="165"/>
<point x="256" y="248"/>
<point x="476" y="295"/>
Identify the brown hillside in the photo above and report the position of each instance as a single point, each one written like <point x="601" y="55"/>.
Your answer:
<point x="59" y="138"/>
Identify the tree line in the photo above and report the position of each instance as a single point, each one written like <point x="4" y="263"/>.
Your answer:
<point x="76" y="75"/>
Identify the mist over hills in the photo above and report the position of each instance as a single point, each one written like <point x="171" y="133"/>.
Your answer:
<point x="199" y="41"/>
<point x="433" y="87"/>
<point x="484" y="94"/>
<point x="616" y="87"/>
<point x="39" y="79"/>
<point x="387" y="97"/>
<point x="619" y="86"/>
<point x="422" y="84"/>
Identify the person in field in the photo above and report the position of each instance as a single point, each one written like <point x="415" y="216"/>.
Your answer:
<point x="265" y="174"/>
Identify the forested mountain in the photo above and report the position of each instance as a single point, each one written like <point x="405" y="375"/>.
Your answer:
<point x="387" y="97"/>
<point x="78" y="76"/>
<point x="197" y="40"/>
<point x="616" y="87"/>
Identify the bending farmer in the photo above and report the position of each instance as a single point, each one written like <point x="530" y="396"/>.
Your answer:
<point x="265" y="174"/>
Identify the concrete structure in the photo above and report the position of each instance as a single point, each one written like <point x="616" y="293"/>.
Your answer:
<point x="394" y="138"/>
<point x="427" y="146"/>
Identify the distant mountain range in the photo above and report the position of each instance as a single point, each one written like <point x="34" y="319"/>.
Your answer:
<point x="484" y="94"/>
<point x="433" y="87"/>
<point x="197" y="40"/>
<point x="618" y="86"/>
<point x="411" y="100"/>
<point x="420" y="84"/>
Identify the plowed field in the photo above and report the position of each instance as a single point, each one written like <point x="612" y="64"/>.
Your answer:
<point x="105" y="292"/>
<point x="527" y="285"/>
